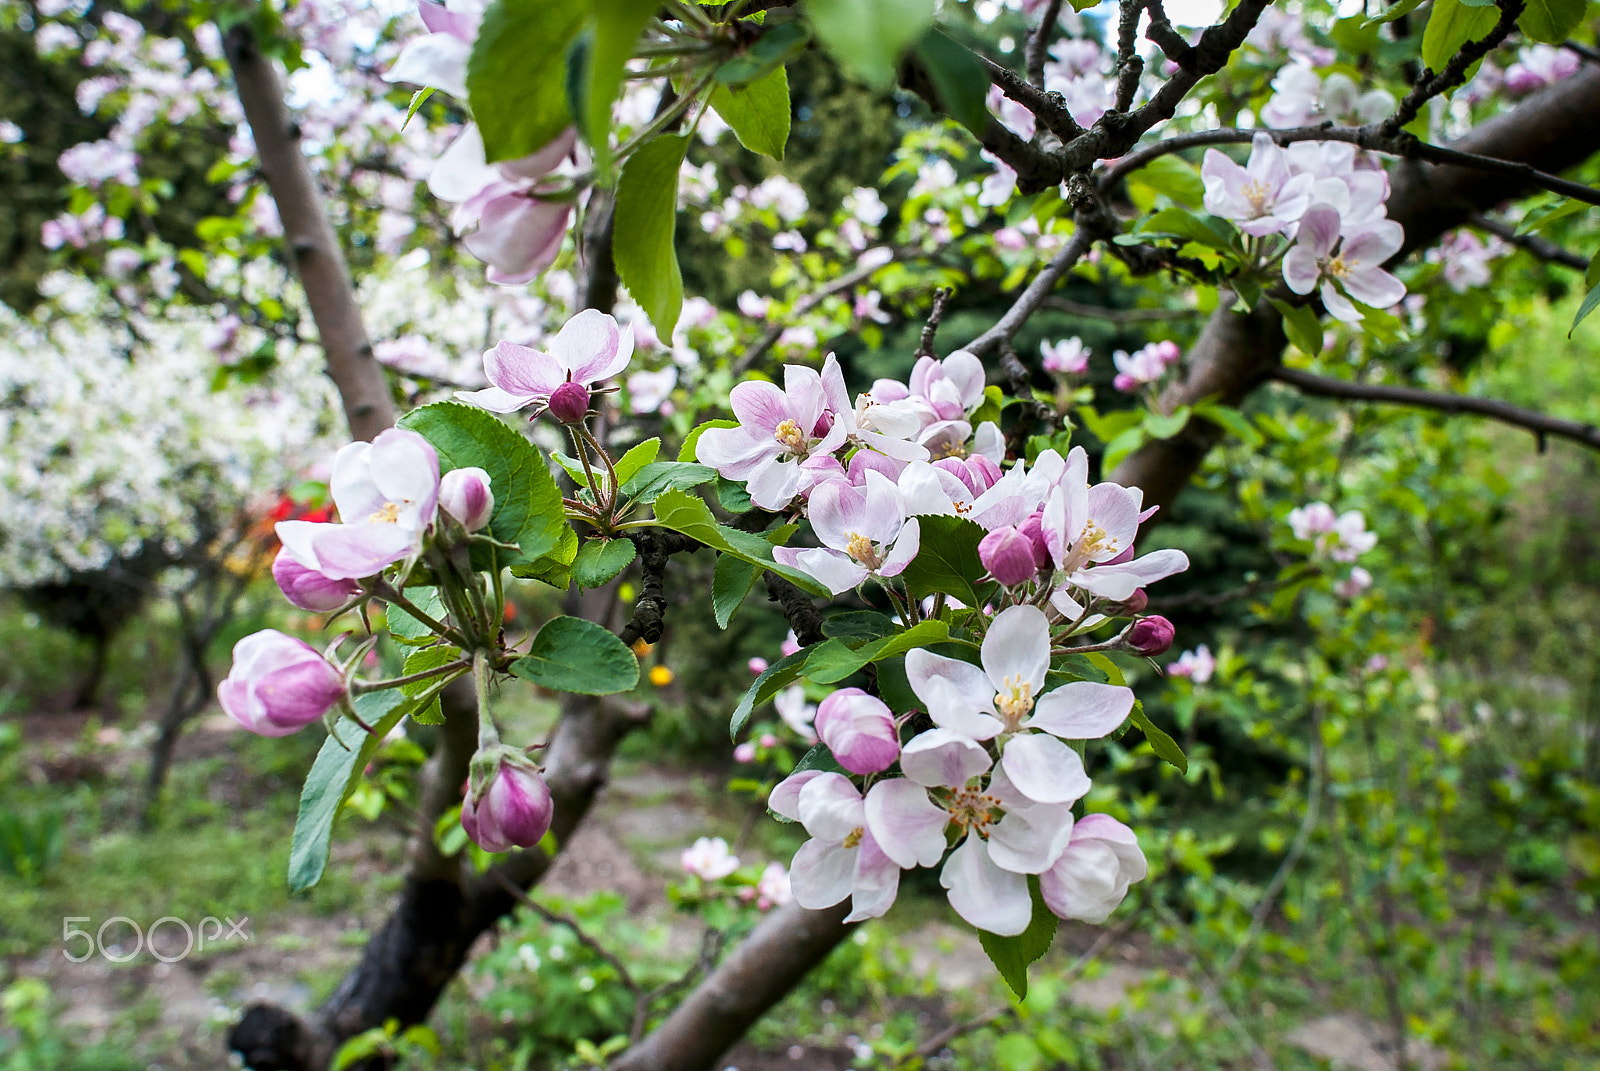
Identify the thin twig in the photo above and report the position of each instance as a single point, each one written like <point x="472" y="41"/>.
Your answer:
<point x="931" y="329"/>
<point x="1029" y="300"/>
<point x="1430" y="85"/>
<point x="556" y="918"/>
<point x="1116" y="316"/>
<point x="1530" y="243"/>
<point x="1538" y="423"/>
<point x="1039" y="43"/>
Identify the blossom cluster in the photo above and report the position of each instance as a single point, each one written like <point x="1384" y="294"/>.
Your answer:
<point x="1325" y="197"/>
<point x="1340" y="537"/>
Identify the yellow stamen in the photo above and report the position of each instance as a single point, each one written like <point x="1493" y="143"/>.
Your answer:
<point x="971" y="809"/>
<point x="1258" y="195"/>
<point x="853" y="838"/>
<point x="1014" y="701"/>
<point x="862" y="550"/>
<point x="388" y="513"/>
<point x="789" y="434"/>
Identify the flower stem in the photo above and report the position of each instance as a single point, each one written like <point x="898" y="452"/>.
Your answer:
<point x="359" y="687"/>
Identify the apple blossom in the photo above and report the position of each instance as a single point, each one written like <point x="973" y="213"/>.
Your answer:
<point x="1151" y="635"/>
<point x="1006" y="697"/>
<point x="1092" y="875"/>
<point x="777" y="429"/>
<point x="1540" y="65"/>
<point x="859" y="730"/>
<point x="1358" y="581"/>
<point x="278" y="684"/>
<point x="1263" y="197"/>
<point x="796" y="713"/>
<point x="1356" y="269"/>
<point x="709" y="859"/>
<point x="843" y="857"/>
<point x="773" y="888"/>
<point x="1090" y="533"/>
<point x="387" y="492"/>
<point x="1067" y="357"/>
<point x="864" y="532"/>
<point x="1198" y="665"/>
<point x="1008" y="555"/>
<point x="589" y="348"/>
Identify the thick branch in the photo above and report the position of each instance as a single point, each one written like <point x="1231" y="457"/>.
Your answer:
<point x="1538" y="423"/>
<point x="756" y="975"/>
<point x="313" y="246"/>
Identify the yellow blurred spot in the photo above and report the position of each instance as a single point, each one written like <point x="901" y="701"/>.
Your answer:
<point x="641" y="648"/>
<point x="660" y="676"/>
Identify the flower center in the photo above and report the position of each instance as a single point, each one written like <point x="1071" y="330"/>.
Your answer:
<point x="862" y="550"/>
<point x="949" y="448"/>
<point x="388" y="513"/>
<point x="1259" y="196"/>
<point x="1091" y="541"/>
<point x="1338" y="267"/>
<point x="1014" y="701"/>
<point x="962" y="508"/>
<point x="852" y="839"/>
<point x="972" y="809"/>
<point x="793" y="439"/>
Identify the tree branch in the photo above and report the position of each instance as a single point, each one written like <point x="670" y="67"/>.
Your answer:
<point x="848" y="281"/>
<point x="1538" y="423"/>
<point x="1530" y="243"/>
<point x="1430" y="85"/>
<point x="1039" y="43"/>
<point x="313" y="244"/>
<point x="1030" y="299"/>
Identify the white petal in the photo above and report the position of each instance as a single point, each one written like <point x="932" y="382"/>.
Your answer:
<point x="785" y="798"/>
<point x="463" y="169"/>
<point x="435" y="59"/>
<point x="830" y="807"/>
<point x="1017" y="648"/>
<point x="907" y="825"/>
<point x="1044" y="769"/>
<point x="1030" y="840"/>
<point x="986" y="896"/>
<point x="875" y="882"/>
<point x="1082" y="710"/>
<point x="943" y="758"/>
<point x="950" y="708"/>
<point x="822" y="874"/>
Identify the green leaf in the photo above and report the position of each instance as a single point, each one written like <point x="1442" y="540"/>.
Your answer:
<point x="417" y="100"/>
<point x="947" y="561"/>
<point x="833" y="660"/>
<point x="339" y="764"/>
<point x="1011" y="955"/>
<point x="637" y="458"/>
<point x="407" y="629"/>
<point x="419" y="661"/>
<point x="758" y="112"/>
<point x="1301" y="325"/>
<point x="685" y="513"/>
<point x="989" y="409"/>
<point x="517" y="71"/>
<point x="1181" y="223"/>
<point x="869" y="36"/>
<point x="960" y="81"/>
<point x="733" y="496"/>
<point x="1589" y="302"/>
<point x="1018" y="1052"/>
<point x="646" y="216"/>
<point x="1104" y="664"/>
<point x="1546" y="214"/>
<point x="776" y="676"/>
<point x="599" y="560"/>
<point x="616" y="27"/>
<point x="554" y="568"/>
<point x="1551" y="21"/>
<point x="570" y="654"/>
<point x="1452" y="24"/>
<point x="687" y="451"/>
<point x="731" y="581"/>
<point x="1165" y="426"/>
<point x="1175" y="177"/>
<point x="1229" y="418"/>
<point x="1400" y="10"/>
<point x="860" y="625"/>
<point x="527" y="503"/>
<point x="659" y="476"/>
<point x="778" y="44"/>
<point x="1162" y="744"/>
<point x="1108" y="426"/>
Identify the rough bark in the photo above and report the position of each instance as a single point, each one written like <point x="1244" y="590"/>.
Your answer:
<point x="312" y="244"/>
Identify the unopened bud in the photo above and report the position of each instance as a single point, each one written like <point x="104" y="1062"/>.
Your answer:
<point x="1008" y="555"/>
<point x="569" y="402"/>
<point x="1033" y="528"/>
<point x="513" y="812"/>
<point x="465" y="495"/>
<point x="278" y="684"/>
<point x="1151" y="635"/>
<point x="859" y="729"/>
<point x="1135" y="604"/>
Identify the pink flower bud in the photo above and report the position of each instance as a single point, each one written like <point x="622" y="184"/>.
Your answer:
<point x="859" y="730"/>
<point x="1135" y="604"/>
<point x="465" y="495"/>
<point x="745" y="752"/>
<point x="768" y="740"/>
<point x="1151" y="635"/>
<point x="309" y="589"/>
<point x="569" y="402"/>
<point x="758" y="665"/>
<point x="1008" y="555"/>
<point x="1033" y="528"/>
<point x="278" y="684"/>
<point x="514" y="812"/>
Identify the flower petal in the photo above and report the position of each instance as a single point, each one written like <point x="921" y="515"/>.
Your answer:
<point x="1044" y="769"/>
<point x="822" y="874"/>
<point x="943" y="758"/>
<point x="1081" y="710"/>
<point x="986" y="896"/>
<point x="907" y="825"/>
<point x="830" y="807"/>
<point x="1017" y="648"/>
